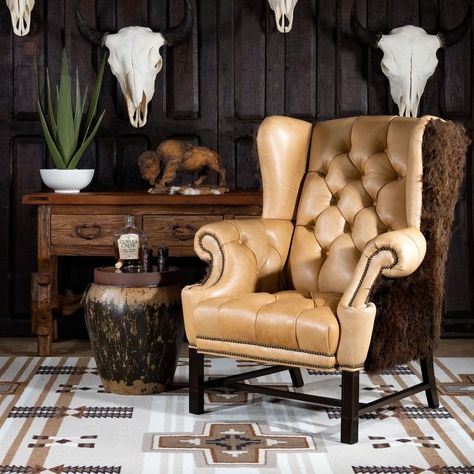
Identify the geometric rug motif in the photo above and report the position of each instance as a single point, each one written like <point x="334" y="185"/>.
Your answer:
<point x="66" y="370"/>
<point x="455" y="389"/>
<point x="48" y="441"/>
<point x="80" y="412"/>
<point x="67" y="388"/>
<point x="60" y="470"/>
<point x="230" y="443"/>
<point x="421" y="441"/>
<point x="413" y="470"/>
<point x="402" y="413"/>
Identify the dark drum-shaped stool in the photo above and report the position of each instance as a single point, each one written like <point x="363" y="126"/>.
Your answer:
<point x="135" y="326"/>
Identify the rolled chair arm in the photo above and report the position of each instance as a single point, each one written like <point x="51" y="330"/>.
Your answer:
<point x="392" y="254"/>
<point x="243" y="256"/>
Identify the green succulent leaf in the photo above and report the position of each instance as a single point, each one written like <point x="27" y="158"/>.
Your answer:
<point x="75" y="159"/>
<point x="95" y="97"/>
<point x="51" y="118"/>
<point x="53" y="150"/>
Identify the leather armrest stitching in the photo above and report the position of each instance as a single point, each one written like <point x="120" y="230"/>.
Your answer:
<point x="366" y="269"/>
<point x="211" y="257"/>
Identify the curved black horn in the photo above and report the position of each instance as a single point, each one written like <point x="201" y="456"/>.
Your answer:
<point x="364" y="35"/>
<point x="95" y="37"/>
<point x="452" y="36"/>
<point x="179" y="32"/>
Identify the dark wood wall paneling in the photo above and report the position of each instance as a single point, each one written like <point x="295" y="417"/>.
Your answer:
<point x="214" y="90"/>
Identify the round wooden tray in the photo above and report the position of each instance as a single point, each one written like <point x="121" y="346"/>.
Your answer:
<point x="110" y="277"/>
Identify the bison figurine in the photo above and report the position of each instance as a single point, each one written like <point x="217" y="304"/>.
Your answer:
<point x="176" y="156"/>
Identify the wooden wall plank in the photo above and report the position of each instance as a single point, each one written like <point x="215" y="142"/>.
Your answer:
<point x="6" y="59"/>
<point x="301" y="62"/>
<point x="249" y="50"/>
<point x="24" y="50"/>
<point x="457" y="64"/>
<point x="429" y="13"/>
<point x="379" y="91"/>
<point x="129" y="149"/>
<point x="275" y="65"/>
<point x="183" y="70"/>
<point x="5" y="255"/>
<point x="351" y="93"/>
<point x="28" y="159"/>
<point x="326" y="59"/>
<point x="248" y="171"/>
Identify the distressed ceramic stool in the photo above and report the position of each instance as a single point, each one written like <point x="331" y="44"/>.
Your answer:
<point x="135" y="326"/>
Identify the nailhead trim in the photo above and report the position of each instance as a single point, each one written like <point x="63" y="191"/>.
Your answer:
<point x="211" y="257"/>
<point x="267" y="359"/>
<point x="351" y="366"/>
<point x="366" y="269"/>
<point x="235" y="341"/>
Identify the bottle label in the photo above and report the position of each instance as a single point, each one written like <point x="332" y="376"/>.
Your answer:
<point x="128" y="246"/>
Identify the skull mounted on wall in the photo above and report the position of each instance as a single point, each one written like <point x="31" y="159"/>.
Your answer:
<point x="135" y="58"/>
<point x="20" y="12"/>
<point x="284" y="10"/>
<point x="409" y="57"/>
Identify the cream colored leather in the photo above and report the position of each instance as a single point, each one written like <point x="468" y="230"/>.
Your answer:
<point x="244" y="256"/>
<point x="354" y="187"/>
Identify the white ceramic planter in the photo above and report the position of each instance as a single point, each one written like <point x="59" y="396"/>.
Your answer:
<point x="67" y="181"/>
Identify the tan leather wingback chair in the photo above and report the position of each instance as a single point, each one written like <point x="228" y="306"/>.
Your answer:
<point x="341" y="206"/>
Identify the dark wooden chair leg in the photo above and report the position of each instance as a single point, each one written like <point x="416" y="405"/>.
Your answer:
<point x="350" y="407"/>
<point x="296" y="377"/>
<point x="196" y="382"/>
<point x="427" y="372"/>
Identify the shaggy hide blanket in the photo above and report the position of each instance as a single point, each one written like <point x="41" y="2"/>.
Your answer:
<point x="409" y="310"/>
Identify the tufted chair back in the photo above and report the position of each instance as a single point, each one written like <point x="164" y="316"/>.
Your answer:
<point x="363" y="178"/>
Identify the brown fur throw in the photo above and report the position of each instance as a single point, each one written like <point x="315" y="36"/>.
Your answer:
<point x="409" y="310"/>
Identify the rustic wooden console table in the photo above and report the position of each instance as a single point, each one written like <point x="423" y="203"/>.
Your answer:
<point x="83" y="224"/>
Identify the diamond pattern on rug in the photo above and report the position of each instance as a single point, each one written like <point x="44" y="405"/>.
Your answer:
<point x="66" y="370"/>
<point x="413" y="470"/>
<point x="67" y="388"/>
<point x="70" y="441"/>
<point x="11" y="388"/>
<point x="80" y="412"/>
<point x="419" y="441"/>
<point x="60" y="470"/>
<point x="230" y="443"/>
<point x="458" y="389"/>
<point x="402" y="413"/>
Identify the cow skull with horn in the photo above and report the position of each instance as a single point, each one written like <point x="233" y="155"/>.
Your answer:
<point x="409" y="57"/>
<point x="20" y="12"/>
<point x="135" y="58"/>
<point x="284" y="10"/>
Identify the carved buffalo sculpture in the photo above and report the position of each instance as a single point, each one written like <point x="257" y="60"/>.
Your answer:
<point x="176" y="156"/>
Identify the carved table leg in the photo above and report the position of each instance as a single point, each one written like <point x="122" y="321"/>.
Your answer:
<point x="44" y="285"/>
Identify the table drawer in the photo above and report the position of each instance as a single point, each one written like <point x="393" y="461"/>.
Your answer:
<point x="93" y="230"/>
<point x="176" y="233"/>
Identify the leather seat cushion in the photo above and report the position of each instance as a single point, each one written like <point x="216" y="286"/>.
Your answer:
<point x="288" y="320"/>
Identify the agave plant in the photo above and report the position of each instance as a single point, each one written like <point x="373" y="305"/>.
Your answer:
<point x="68" y="132"/>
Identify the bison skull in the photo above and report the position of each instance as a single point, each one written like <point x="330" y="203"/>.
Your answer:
<point x="135" y="58"/>
<point x="409" y="60"/>
<point x="20" y="11"/>
<point x="409" y="57"/>
<point x="283" y="13"/>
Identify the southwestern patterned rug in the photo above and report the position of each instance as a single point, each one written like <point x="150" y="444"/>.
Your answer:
<point x="55" y="417"/>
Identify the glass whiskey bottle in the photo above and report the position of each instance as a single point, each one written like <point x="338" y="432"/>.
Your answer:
<point x="129" y="244"/>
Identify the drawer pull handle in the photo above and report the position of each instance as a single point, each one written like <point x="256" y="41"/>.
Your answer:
<point x="183" y="232"/>
<point x="89" y="231"/>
